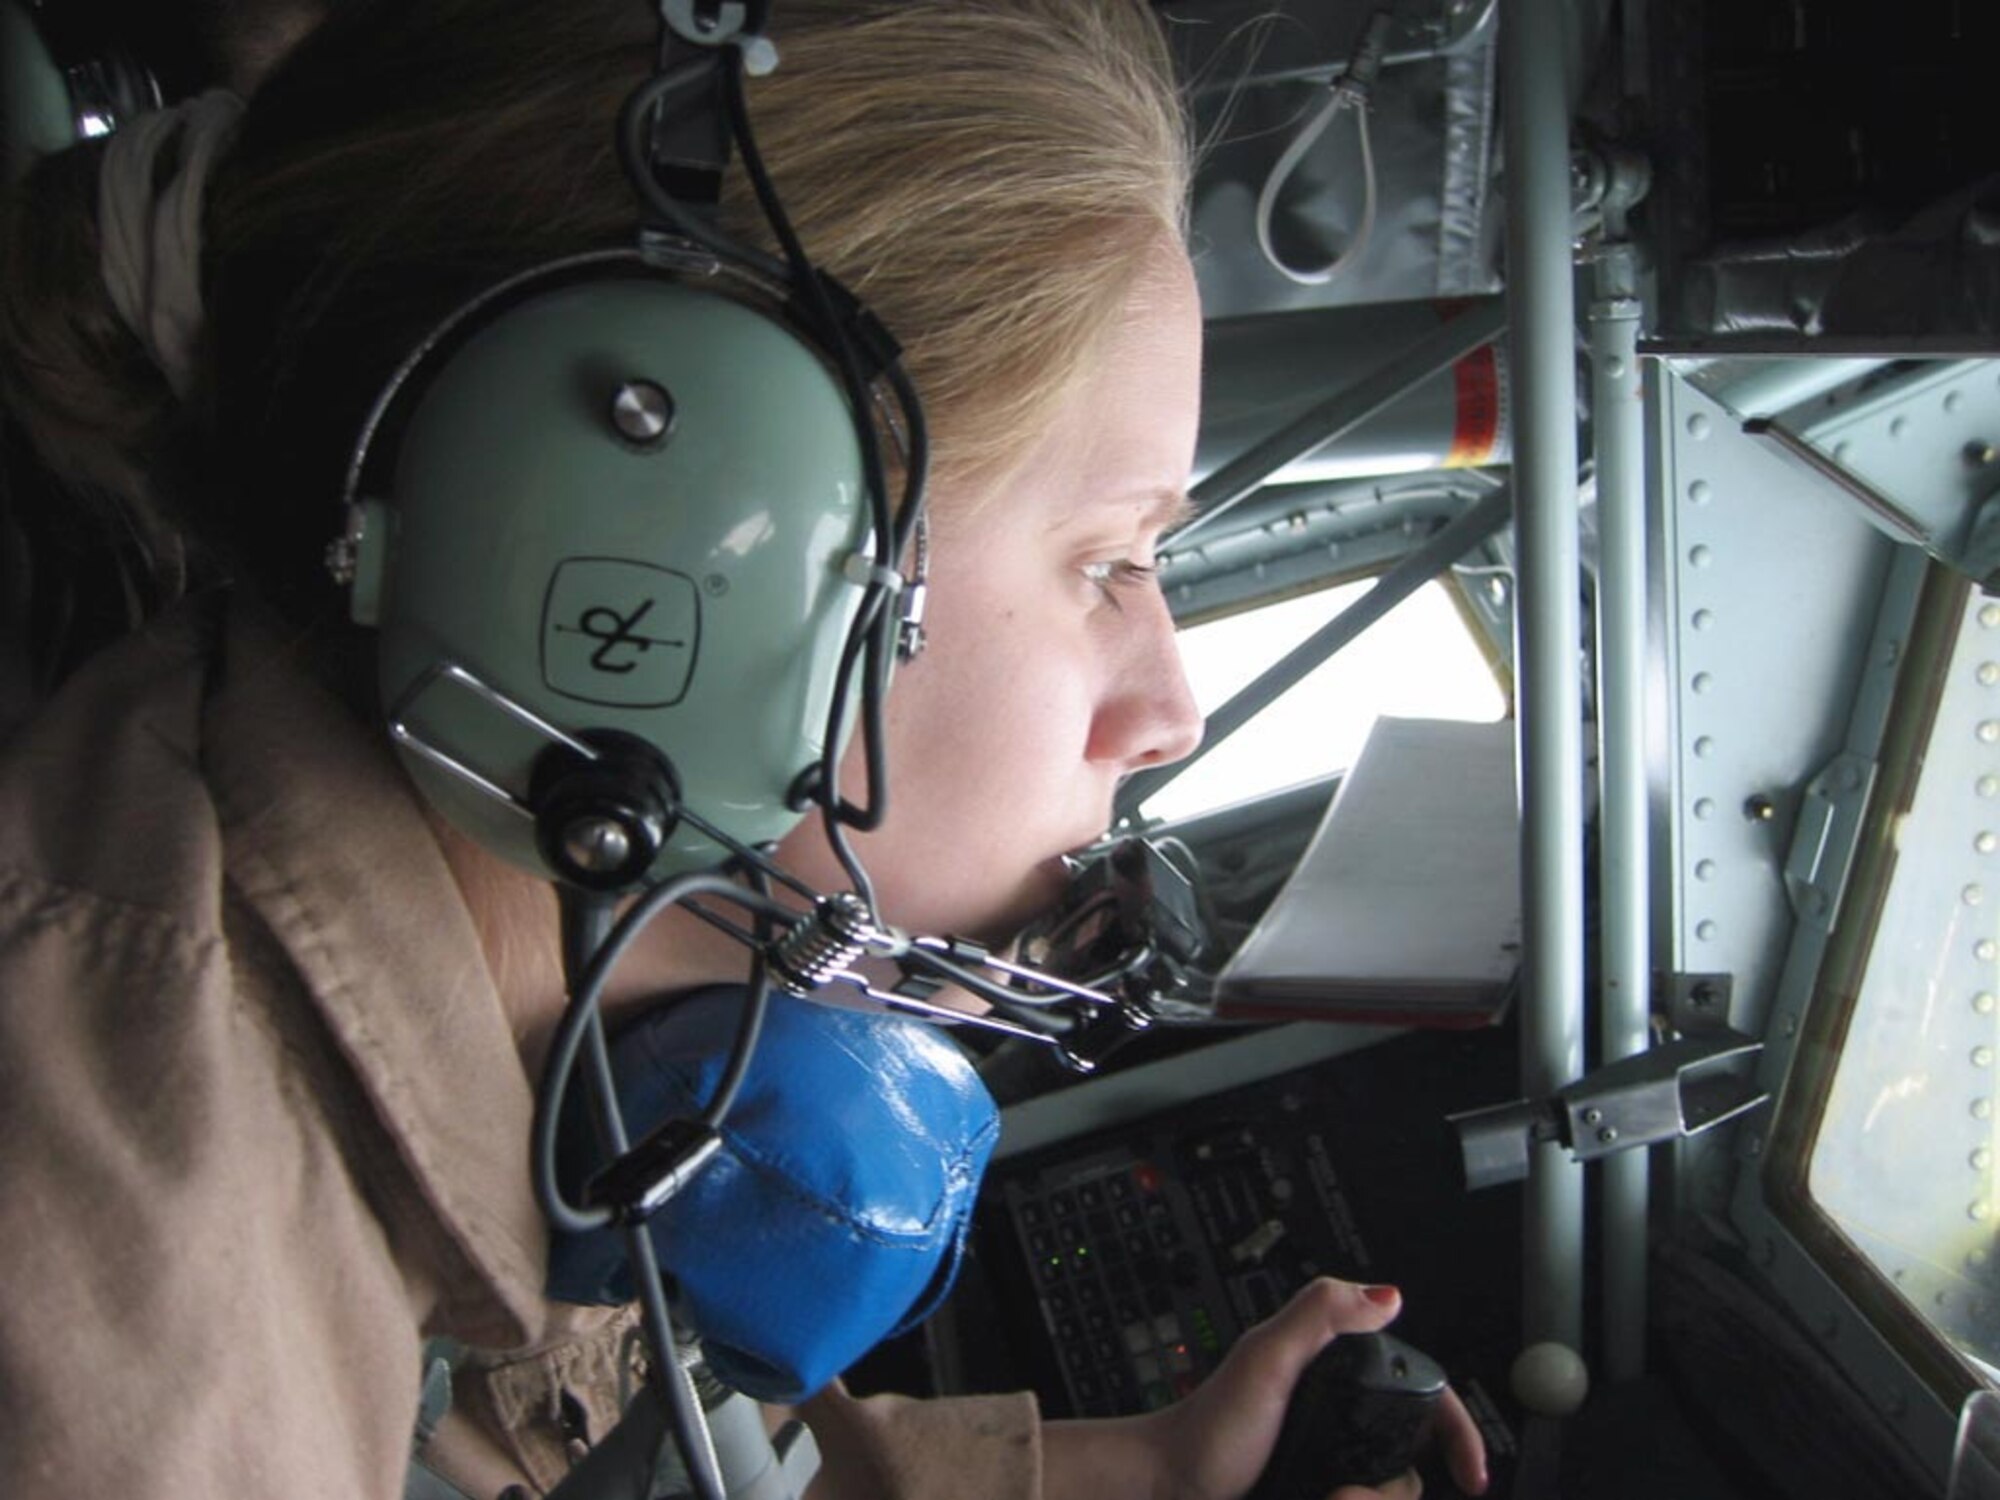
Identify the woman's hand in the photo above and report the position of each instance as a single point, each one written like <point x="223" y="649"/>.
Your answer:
<point x="1212" y="1444"/>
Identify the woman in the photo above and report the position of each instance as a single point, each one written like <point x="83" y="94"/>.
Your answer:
<point x="269" y="1025"/>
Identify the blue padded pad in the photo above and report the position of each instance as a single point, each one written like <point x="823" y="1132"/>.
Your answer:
<point x="835" y="1213"/>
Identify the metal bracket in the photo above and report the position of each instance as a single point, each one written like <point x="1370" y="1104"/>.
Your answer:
<point x="1694" y="1004"/>
<point x="1825" y="838"/>
<point x="1932" y="506"/>
<point x="1677" y="1089"/>
<point x="1980" y="556"/>
<point x="1885" y="514"/>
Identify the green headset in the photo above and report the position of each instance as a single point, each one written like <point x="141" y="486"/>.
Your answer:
<point x="622" y="525"/>
<point x="72" y="70"/>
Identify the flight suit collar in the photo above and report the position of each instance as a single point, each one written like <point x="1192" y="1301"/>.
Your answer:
<point x="323" y="837"/>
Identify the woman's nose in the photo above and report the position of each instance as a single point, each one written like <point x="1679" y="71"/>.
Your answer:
<point x="1147" y="715"/>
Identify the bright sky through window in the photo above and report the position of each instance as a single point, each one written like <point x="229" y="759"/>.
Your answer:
<point x="1419" y="661"/>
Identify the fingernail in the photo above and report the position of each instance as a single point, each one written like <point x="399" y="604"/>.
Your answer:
<point x="1382" y="1296"/>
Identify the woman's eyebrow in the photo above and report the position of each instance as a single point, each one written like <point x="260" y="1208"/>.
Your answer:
<point x="1171" y="509"/>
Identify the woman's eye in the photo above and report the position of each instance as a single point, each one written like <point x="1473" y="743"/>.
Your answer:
<point x="1114" y="574"/>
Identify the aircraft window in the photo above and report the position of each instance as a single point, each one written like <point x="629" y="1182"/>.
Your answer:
<point x="1906" y="1162"/>
<point x="1419" y="660"/>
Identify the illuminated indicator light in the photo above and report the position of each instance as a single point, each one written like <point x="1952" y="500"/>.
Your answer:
<point x="1147" y="1176"/>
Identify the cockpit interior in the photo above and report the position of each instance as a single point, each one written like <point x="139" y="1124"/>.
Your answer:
<point x="1621" y="374"/>
<point x="1594" y="583"/>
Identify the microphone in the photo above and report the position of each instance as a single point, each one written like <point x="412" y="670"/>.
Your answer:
<point x="635" y="1461"/>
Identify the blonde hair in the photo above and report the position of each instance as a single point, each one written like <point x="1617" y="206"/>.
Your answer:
<point x="991" y="176"/>
<point x="992" y="179"/>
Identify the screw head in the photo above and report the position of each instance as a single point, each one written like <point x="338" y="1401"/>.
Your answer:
<point x="597" y="844"/>
<point x="642" y="413"/>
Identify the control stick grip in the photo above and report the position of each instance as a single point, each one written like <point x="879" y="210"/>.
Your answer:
<point x="1359" y="1414"/>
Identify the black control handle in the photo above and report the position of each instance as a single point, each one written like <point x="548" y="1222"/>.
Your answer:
<point x="1359" y="1414"/>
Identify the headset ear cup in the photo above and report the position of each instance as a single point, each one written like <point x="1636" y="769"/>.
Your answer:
<point x="70" y="72"/>
<point x="35" y="115"/>
<point x="677" y="571"/>
<point x="600" y="824"/>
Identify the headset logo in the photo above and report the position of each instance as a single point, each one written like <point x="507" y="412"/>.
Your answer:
<point x="621" y="634"/>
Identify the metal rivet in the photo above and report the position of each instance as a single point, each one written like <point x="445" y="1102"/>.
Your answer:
<point x="1704" y="746"/>
<point x="1698" y="425"/>
<point x="1988" y="673"/>
<point x="1986" y="841"/>
<point x="1700" y="556"/>
<point x="1592" y="1116"/>
<point x="1704" y="869"/>
<point x="1606" y="1136"/>
<point x="1701" y="491"/>
<point x="1973" y="894"/>
<point x="1983" y="1003"/>
<point x="1982" y="1109"/>
<point x="1705" y="931"/>
<point x="1986" y="950"/>
<point x="1954" y="400"/>
<point x="1898" y="426"/>
<point x="1982" y="1057"/>
<point x="1703" y="619"/>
